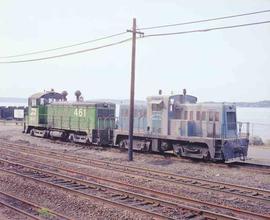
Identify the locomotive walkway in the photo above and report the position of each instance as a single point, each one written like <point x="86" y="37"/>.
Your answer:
<point x="257" y="194"/>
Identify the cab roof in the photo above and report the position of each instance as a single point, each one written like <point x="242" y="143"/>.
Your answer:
<point x="46" y="94"/>
<point x="83" y="103"/>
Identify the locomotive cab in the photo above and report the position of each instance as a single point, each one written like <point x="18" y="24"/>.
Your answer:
<point x="197" y="130"/>
<point x="235" y="137"/>
<point x="230" y="123"/>
<point x="37" y="109"/>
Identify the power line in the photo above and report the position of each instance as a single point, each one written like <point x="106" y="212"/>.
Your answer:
<point x="64" y="47"/>
<point x="123" y="41"/>
<point x="67" y="54"/>
<point x="207" y="29"/>
<point x="122" y="33"/>
<point x="204" y="20"/>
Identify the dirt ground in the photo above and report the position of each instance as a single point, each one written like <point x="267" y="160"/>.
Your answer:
<point x="153" y="161"/>
<point x="259" y="154"/>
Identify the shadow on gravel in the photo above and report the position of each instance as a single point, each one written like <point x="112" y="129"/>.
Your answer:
<point x="162" y="162"/>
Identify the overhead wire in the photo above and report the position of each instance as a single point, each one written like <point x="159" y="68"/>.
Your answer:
<point x="128" y="39"/>
<point x="122" y="33"/>
<point x="68" y="54"/>
<point x="206" y="30"/>
<point x="64" y="47"/>
<point x="203" y="20"/>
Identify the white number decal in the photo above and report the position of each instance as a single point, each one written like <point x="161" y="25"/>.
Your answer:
<point x="80" y="112"/>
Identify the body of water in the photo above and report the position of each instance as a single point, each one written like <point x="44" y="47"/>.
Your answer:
<point x="13" y="104"/>
<point x="259" y="119"/>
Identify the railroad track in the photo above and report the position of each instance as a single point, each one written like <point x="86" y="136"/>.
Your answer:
<point x="147" y="205"/>
<point x="243" y="214"/>
<point x="258" y="168"/>
<point x="243" y="165"/>
<point x="251" y="193"/>
<point x="29" y="209"/>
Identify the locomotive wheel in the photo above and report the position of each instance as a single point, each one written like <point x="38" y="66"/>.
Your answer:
<point x="88" y="142"/>
<point x="64" y="137"/>
<point x="207" y="157"/>
<point x="46" y="134"/>
<point x="123" y="144"/>
<point x="145" y="148"/>
<point x="178" y="151"/>
<point x="32" y="133"/>
<point x="71" y="138"/>
<point x="52" y="138"/>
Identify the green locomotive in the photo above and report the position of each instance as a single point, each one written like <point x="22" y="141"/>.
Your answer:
<point x="50" y="115"/>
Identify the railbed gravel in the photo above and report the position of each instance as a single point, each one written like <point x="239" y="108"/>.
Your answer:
<point x="7" y="213"/>
<point x="200" y="194"/>
<point x="61" y="201"/>
<point x="152" y="161"/>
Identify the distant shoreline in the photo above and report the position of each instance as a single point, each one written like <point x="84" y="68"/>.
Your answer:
<point x="259" y="104"/>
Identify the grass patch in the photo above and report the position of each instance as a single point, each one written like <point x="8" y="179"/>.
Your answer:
<point x="44" y="212"/>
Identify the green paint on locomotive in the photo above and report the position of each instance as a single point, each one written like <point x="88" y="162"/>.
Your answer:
<point x="37" y="116"/>
<point x="47" y="110"/>
<point x="72" y="117"/>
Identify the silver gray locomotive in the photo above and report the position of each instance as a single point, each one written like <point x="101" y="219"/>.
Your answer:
<point x="190" y="129"/>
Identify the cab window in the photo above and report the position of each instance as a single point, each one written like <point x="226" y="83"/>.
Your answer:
<point x="198" y="115"/>
<point x="34" y="103"/>
<point x="185" y="115"/>
<point x="42" y="101"/>
<point x="216" y="116"/>
<point x="191" y="115"/>
<point x="211" y="116"/>
<point x="156" y="107"/>
<point x="231" y="120"/>
<point x="203" y="116"/>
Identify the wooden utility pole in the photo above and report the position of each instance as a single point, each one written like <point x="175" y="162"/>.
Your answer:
<point x="132" y="88"/>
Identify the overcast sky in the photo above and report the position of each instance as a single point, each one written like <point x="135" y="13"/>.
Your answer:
<point x="225" y="65"/>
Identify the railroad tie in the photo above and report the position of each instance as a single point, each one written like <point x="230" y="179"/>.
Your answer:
<point x="100" y="189"/>
<point x="215" y="186"/>
<point x="255" y="194"/>
<point x="124" y="197"/>
<point x="58" y="181"/>
<point x="146" y="203"/>
<point x="116" y="195"/>
<point x="72" y="185"/>
<point x="156" y="204"/>
<point x="191" y="215"/>
<point x="195" y="182"/>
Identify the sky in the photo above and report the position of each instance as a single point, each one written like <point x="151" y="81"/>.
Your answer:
<point x="225" y="65"/>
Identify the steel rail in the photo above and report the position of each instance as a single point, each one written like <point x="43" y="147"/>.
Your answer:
<point x="265" y="169"/>
<point x="54" y="213"/>
<point x="160" y="175"/>
<point x="86" y="195"/>
<point x="20" y="211"/>
<point x="147" y="199"/>
<point x="147" y="190"/>
<point x="246" y="166"/>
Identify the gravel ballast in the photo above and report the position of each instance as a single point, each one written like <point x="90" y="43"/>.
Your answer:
<point x="72" y="206"/>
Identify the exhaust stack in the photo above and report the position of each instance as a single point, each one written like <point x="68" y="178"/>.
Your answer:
<point x="78" y="95"/>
